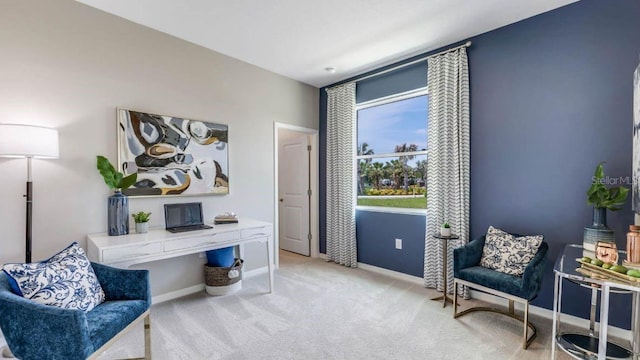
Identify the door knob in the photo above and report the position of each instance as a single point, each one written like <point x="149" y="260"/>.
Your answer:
<point x="281" y="200"/>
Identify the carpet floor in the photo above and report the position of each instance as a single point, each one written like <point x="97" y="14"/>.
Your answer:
<point x="321" y="310"/>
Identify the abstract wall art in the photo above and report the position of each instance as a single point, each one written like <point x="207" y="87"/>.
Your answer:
<point x="172" y="155"/>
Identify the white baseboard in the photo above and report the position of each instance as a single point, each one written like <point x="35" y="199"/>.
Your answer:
<point x="177" y="294"/>
<point x="255" y="272"/>
<point x="200" y="287"/>
<point x="391" y="273"/>
<point x="495" y="300"/>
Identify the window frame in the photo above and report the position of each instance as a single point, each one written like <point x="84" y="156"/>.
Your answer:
<point x="377" y="102"/>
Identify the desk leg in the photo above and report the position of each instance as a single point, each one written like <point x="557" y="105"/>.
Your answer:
<point x="604" y="322"/>
<point x="270" y="262"/>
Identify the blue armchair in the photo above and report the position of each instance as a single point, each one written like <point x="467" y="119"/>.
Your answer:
<point x="36" y="331"/>
<point x="467" y="271"/>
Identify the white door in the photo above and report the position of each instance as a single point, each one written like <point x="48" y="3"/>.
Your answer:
<point x="293" y="180"/>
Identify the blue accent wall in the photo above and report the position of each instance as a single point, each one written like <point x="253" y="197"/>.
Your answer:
<point x="408" y="78"/>
<point x="376" y="233"/>
<point x="551" y="96"/>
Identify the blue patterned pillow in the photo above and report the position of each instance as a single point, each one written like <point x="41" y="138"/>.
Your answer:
<point x="65" y="280"/>
<point x="508" y="254"/>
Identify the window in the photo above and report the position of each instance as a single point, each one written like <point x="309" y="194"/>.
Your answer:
<point x="391" y="158"/>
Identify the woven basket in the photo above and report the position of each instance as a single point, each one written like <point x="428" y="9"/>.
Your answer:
<point x="223" y="276"/>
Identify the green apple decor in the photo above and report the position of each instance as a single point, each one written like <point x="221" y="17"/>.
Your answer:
<point x="118" y="203"/>
<point x="602" y="199"/>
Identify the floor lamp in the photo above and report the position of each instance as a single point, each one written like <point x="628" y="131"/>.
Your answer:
<point x="28" y="142"/>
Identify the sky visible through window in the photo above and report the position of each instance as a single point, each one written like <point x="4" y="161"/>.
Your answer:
<point x="383" y="127"/>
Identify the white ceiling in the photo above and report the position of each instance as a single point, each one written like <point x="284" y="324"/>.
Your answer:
<point x="300" y="38"/>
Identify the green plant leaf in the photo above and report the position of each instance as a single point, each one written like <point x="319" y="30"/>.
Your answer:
<point x="107" y="171"/>
<point x="599" y="174"/>
<point x="141" y="217"/>
<point x="114" y="179"/>
<point x="127" y="181"/>
<point x="599" y="196"/>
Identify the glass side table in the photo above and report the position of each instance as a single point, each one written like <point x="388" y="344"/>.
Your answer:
<point x="589" y="346"/>
<point x="445" y="243"/>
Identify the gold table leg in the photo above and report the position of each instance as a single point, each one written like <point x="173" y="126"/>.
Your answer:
<point x="444" y="296"/>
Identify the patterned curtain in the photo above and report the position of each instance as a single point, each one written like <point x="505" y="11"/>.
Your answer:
<point x="341" y="214"/>
<point x="448" y="161"/>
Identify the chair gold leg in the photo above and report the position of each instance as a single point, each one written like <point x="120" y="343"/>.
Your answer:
<point x="511" y="308"/>
<point x="455" y="298"/>
<point x="147" y="337"/>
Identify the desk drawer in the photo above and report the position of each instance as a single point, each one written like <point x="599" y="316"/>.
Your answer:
<point x="130" y="251"/>
<point x="255" y="232"/>
<point x="180" y="244"/>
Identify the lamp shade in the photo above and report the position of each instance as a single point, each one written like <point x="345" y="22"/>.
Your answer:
<point x="28" y="141"/>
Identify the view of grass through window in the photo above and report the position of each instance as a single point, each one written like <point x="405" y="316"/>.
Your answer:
<point x="391" y="158"/>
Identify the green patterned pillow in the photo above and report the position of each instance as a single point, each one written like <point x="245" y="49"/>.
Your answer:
<point x="508" y="254"/>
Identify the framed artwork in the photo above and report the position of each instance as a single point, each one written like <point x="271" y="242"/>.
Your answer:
<point x="172" y="155"/>
<point x="636" y="140"/>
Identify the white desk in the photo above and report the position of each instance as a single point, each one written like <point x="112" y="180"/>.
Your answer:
<point x="158" y="244"/>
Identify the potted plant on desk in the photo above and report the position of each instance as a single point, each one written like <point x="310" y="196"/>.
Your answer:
<point x="141" y="219"/>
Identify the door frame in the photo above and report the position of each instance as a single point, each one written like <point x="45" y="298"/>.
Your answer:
<point x="313" y="177"/>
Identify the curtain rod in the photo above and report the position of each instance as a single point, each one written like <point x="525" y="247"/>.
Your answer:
<point x="467" y="44"/>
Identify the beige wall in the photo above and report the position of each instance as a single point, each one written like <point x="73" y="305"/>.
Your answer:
<point x="68" y="66"/>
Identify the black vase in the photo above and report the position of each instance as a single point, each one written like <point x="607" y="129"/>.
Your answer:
<point x="598" y="231"/>
<point x="118" y="214"/>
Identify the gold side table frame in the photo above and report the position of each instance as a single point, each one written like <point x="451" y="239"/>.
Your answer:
<point x="445" y="245"/>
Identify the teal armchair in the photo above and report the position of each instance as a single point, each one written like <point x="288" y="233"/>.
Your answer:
<point x="36" y="332"/>
<point x="468" y="272"/>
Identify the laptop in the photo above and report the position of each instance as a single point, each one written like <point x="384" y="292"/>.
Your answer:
<point x="184" y="217"/>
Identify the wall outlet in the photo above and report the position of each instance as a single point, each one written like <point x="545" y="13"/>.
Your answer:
<point x="399" y="244"/>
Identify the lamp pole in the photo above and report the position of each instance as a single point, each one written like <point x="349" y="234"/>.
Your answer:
<point x="29" y="197"/>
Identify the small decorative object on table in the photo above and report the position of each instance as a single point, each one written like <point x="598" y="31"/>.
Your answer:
<point x="602" y="199"/>
<point x="633" y="246"/>
<point x="445" y="230"/>
<point x="607" y="252"/>
<point x="141" y="219"/>
<point x="609" y="270"/>
<point x="118" y="204"/>
<point x="226" y="218"/>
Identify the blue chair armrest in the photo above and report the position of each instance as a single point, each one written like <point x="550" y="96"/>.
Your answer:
<point x="468" y="255"/>
<point x="123" y="284"/>
<point x="533" y="273"/>
<point x="33" y="330"/>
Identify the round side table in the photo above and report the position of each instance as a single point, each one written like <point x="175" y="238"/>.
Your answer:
<point x="445" y="243"/>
